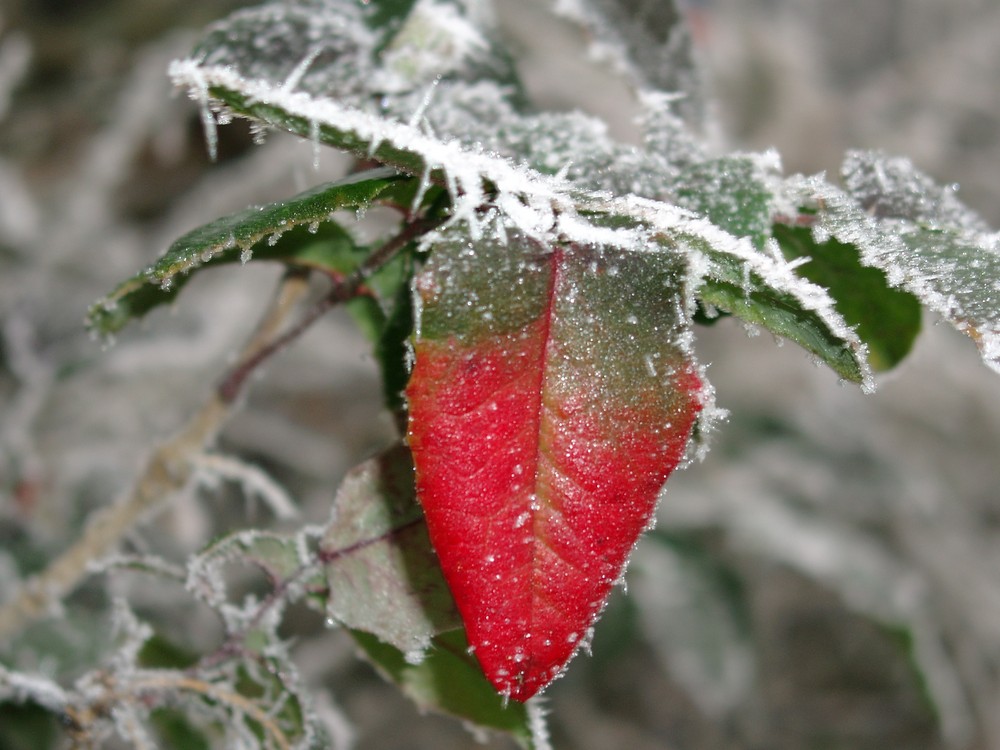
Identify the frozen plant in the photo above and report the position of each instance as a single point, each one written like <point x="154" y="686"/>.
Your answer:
<point x="532" y="308"/>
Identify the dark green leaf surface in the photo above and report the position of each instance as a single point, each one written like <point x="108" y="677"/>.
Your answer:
<point x="886" y="319"/>
<point x="449" y="681"/>
<point x="733" y="289"/>
<point x="260" y="233"/>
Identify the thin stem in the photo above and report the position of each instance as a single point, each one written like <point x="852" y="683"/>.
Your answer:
<point x="342" y="291"/>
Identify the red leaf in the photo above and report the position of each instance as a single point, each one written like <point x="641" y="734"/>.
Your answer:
<point x="551" y="396"/>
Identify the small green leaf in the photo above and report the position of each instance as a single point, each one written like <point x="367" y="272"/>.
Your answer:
<point x="957" y="274"/>
<point x="934" y="248"/>
<point x="886" y="319"/>
<point x="383" y="575"/>
<point x="392" y="350"/>
<point x="256" y="233"/>
<point x="449" y="681"/>
<point x="732" y="287"/>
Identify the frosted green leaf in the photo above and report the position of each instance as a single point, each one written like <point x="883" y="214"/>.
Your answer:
<point x="887" y="320"/>
<point x="258" y="233"/>
<point x="729" y="274"/>
<point x="953" y="270"/>
<point x="384" y="57"/>
<point x="312" y="45"/>
<point x="382" y="573"/>
<point x="891" y="187"/>
<point x="731" y="192"/>
<point x="957" y="274"/>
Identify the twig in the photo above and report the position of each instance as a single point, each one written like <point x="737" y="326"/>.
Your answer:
<point x="342" y="291"/>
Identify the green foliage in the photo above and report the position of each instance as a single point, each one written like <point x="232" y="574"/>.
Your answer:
<point x="532" y="241"/>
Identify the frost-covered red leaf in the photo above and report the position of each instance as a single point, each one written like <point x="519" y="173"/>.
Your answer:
<point x="552" y="394"/>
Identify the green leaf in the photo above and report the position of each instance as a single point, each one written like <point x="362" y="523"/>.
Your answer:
<point x="382" y="573"/>
<point x="886" y="319"/>
<point x="734" y="287"/>
<point x="449" y="681"/>
<point x="935" y="248"/>
<point x="730" y="276"/>
<point x="392" y="350"/>
<point x="957" y="274"/>
<point x="257" y="233"/>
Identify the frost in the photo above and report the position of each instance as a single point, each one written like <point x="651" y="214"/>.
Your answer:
<point x="893" y="188"/>
<point x="537" y="724"/>
<point x="952" y="268"/>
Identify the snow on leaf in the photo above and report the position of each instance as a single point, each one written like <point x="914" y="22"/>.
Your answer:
<point x="953" y="270"/>
<point x="891" y="187"/>
<point x="310" y="45"/>
<point x="731" y="192"/>
<point x="761" y="288"/>
<point x="733" y="275"/>
<point x="382" y="574"/>
<point x="552" y="394"/>
<point x="246" y="234"/>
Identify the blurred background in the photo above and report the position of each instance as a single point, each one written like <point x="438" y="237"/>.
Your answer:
<point x="829" y="576"/>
